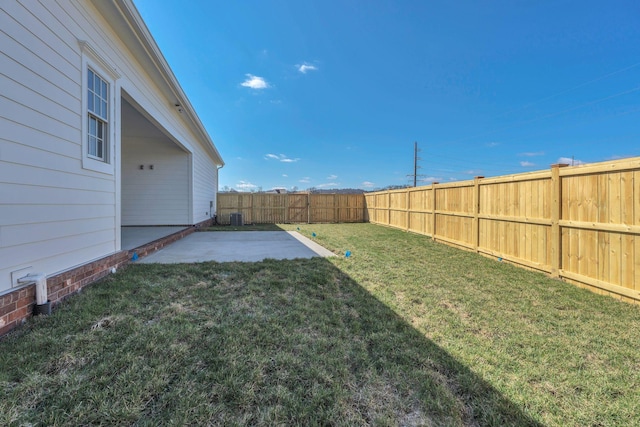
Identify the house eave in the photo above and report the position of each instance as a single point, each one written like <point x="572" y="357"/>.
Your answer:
<point x="123" y="13"/>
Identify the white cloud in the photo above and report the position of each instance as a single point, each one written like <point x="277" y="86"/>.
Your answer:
<point x="244" y="185"/>
<point x="328" y="185"/>
<point x="305" y="180"/>
<point x="569" y="161"/>
<point x="473" y="172"/>
<point x="368" y="184"/>
<point x="285" y="175"/>
<point x="255" y="82"/>
<point x="306" y="67"/>
<point x="432" y="179"/>
<point x="532" y="154"/>
<point x="493" y="144"/>
<point x="527" y="164"/>
<point x="280" y="157"/>
<point x="332" y="177"/>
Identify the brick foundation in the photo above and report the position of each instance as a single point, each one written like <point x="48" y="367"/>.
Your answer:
<point x="17" y="306"/>
<point x="156" y="245"/>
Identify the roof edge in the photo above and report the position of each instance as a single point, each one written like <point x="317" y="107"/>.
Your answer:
<point x="134" y="21"/>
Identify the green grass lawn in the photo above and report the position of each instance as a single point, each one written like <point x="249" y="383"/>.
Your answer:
<point x="403" y="332"/>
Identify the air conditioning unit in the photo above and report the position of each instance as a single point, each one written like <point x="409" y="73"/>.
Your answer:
<point x="236" y="218"/>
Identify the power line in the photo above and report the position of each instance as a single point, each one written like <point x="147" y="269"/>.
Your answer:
<point x="503" y="167"/>
<point x="546" y="116"/>
<point x="523" y="138"/>
<point x="555" y="95"/>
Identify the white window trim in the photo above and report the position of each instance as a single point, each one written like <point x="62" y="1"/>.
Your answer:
<point x="91" y="59"/>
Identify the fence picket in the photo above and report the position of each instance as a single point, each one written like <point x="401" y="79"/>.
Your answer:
<point x="578" y="223"/>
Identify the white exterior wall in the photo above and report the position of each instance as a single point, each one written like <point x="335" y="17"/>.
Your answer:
<point x="54" y="214"/>
<point x="158" y="196"/>
<point x="205" y="186"/>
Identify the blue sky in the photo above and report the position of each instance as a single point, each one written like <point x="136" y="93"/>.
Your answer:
<point x="333" y="94"/>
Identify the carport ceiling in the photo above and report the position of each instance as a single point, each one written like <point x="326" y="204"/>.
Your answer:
<point x="134" y="124"/>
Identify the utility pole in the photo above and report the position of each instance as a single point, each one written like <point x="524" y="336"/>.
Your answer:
<point x="415" y="174"/>
<point x="415" y="163"/>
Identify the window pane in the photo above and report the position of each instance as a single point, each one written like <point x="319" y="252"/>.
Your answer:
<point x="92" y="146"/>
<point x="90" y="80"/>
<point x="97" y="112"/>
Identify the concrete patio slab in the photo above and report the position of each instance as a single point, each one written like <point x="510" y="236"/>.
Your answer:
<point x="245" y="246"/>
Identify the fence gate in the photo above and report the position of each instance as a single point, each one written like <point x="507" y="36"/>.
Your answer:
<point x="298" y="207"/>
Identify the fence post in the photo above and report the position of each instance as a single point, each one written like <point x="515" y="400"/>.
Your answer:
<point x="556" y="214"/>
<point x="433" y="210"/>
<point x="475" y="228"/>
<point x="308" y="208"/>
<point x="286" y="208"/>
<point x="365" y="208"/>
<point x="407" y="205"/>
<point x="388" y="207"/>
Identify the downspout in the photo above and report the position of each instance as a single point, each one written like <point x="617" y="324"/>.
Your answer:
<point x="43" y="305"/>
<point x="215" y="215"/>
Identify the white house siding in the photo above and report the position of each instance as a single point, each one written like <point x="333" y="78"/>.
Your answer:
<point x="158" y="196"/>
<point x="205" y="183"/>
<point x="204" y="171"/>
<point x="54" y="214"/>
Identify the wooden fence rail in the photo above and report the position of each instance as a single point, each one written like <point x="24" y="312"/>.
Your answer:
<point x="578" y="223"/>
<point x="267" y="208"/>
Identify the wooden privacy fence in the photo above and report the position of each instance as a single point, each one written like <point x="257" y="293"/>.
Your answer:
<point x="578" y="223"/>
<point x="267" y="208"/>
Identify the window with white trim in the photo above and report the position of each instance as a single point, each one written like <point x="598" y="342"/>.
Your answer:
<point x="100" y="109"/>
<point x="98" y="117"/>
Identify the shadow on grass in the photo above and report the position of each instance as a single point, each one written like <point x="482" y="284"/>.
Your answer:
<point x="277" y="342"/>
